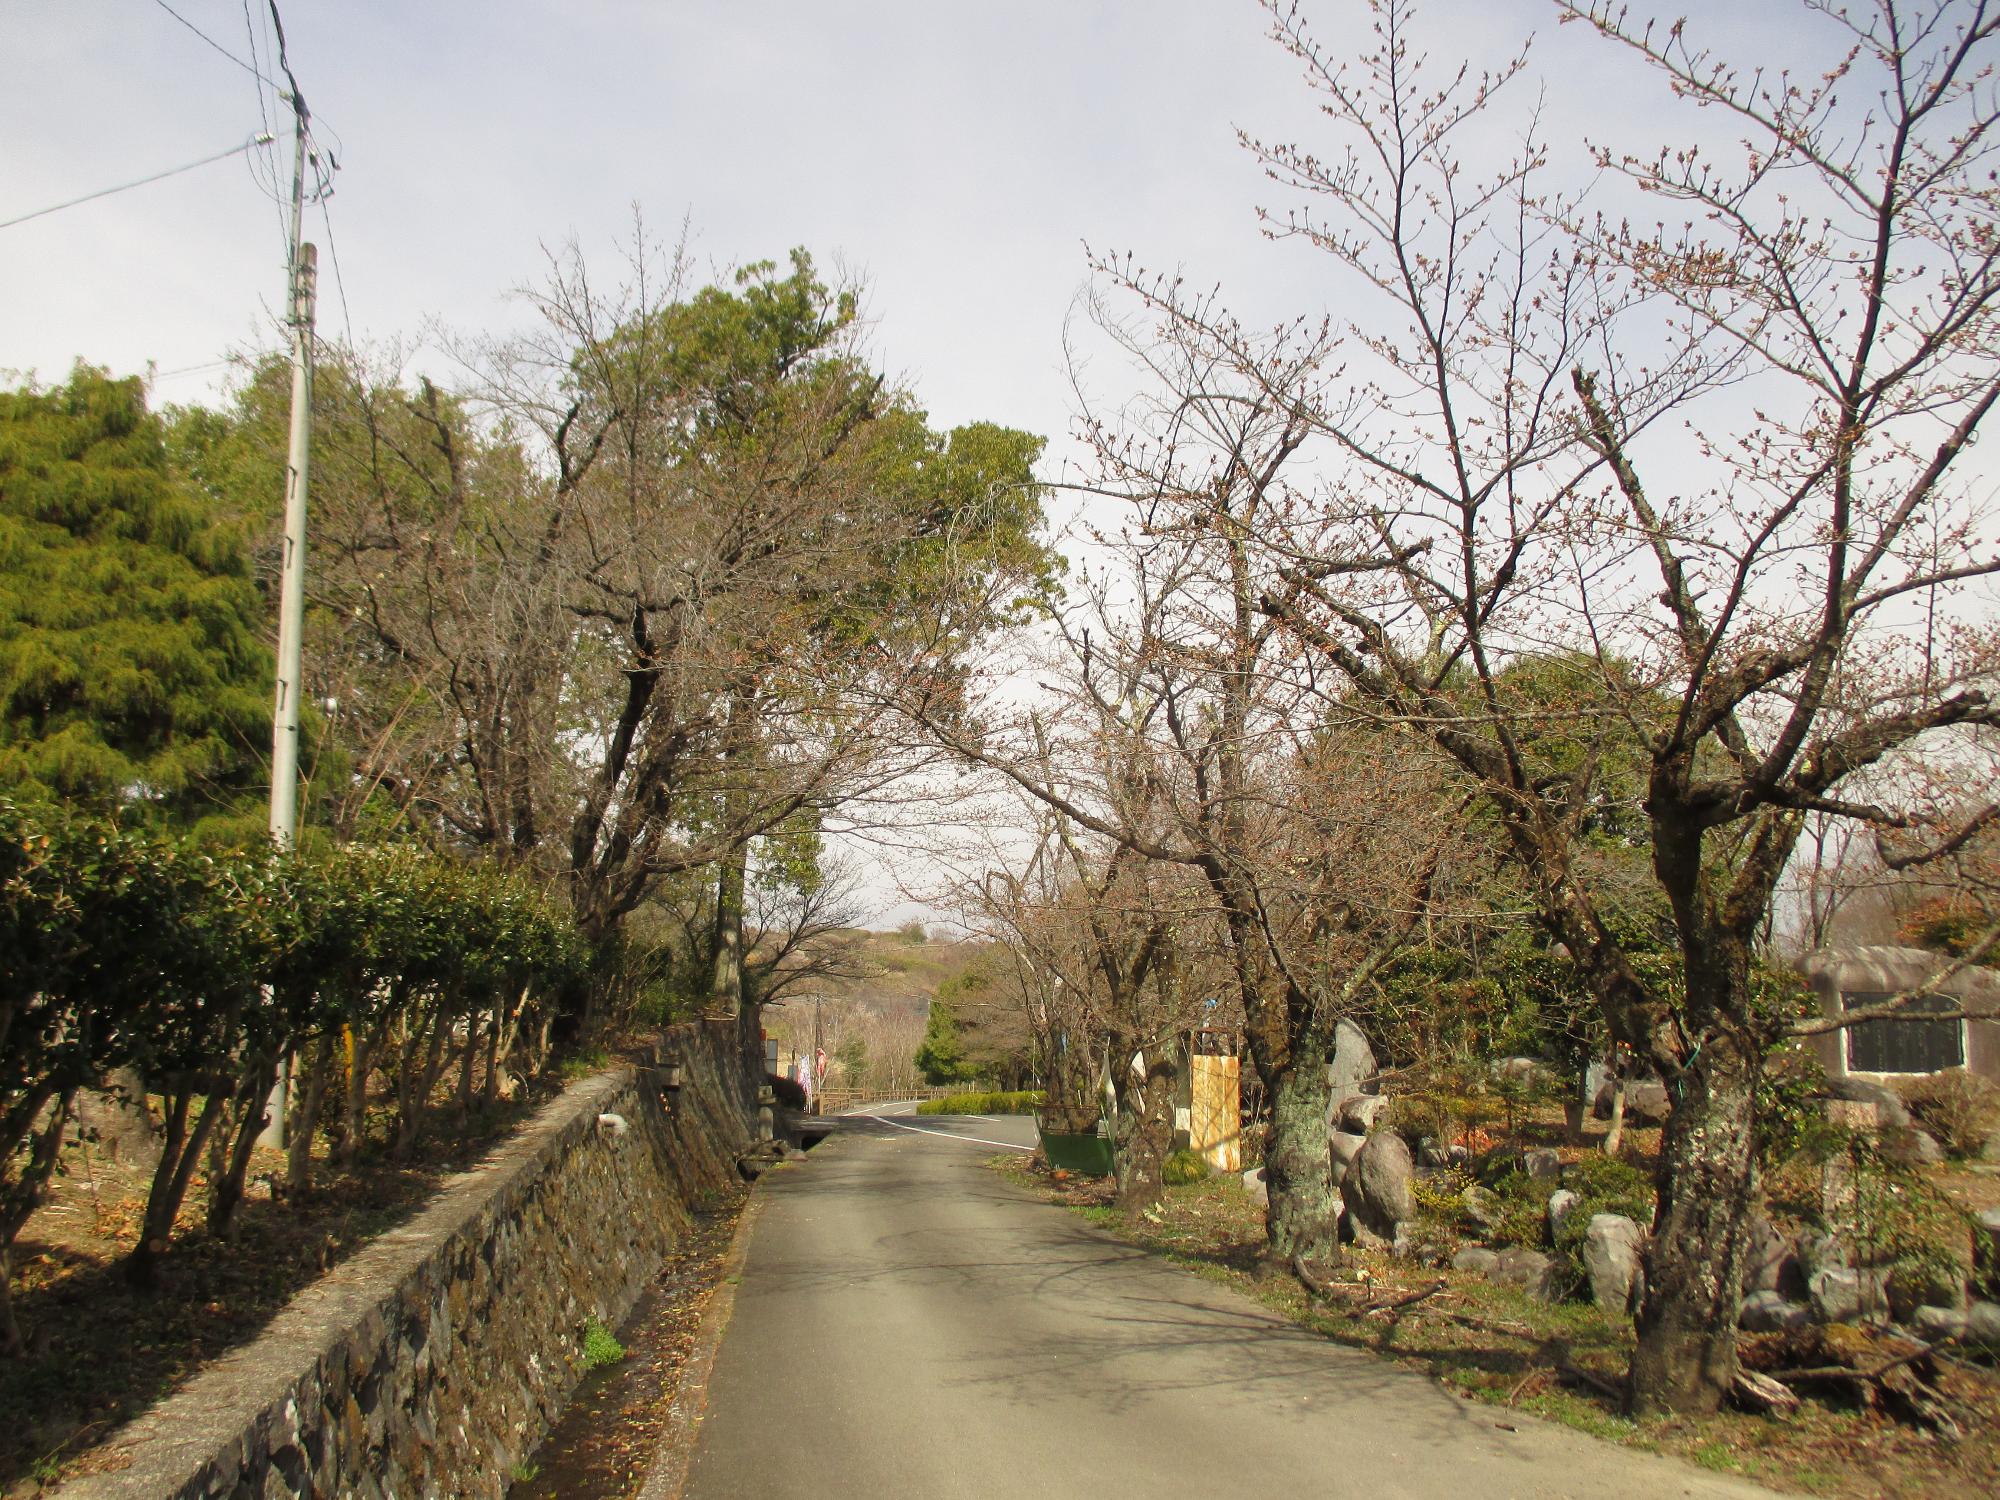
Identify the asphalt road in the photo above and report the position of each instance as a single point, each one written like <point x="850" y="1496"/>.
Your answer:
<point x="911" y="1327"/>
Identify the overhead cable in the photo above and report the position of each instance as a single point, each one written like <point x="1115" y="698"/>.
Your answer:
<point x="260" y="139"/>
<point x="249" y="68"/>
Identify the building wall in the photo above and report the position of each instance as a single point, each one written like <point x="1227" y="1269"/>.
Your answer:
<point x="1887" y="970"/>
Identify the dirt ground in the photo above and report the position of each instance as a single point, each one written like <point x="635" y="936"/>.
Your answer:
<point x="100" y="1352"/>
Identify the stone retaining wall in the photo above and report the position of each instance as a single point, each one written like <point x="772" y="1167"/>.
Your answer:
<point x="437" y="1357"/>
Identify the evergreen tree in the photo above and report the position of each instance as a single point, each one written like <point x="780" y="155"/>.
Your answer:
<point x="941" y="1056"/>
<point x="132" y="673"/>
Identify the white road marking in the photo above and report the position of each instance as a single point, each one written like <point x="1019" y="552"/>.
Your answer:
<point x="948" y="1135"/>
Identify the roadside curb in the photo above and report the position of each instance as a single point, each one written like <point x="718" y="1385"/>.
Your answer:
<point x="668" y="1475"/>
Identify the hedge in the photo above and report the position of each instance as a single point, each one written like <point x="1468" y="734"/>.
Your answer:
<point x="1025" y="1102"/>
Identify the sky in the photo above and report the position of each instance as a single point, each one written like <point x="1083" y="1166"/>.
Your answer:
<point x="957" y="157"/>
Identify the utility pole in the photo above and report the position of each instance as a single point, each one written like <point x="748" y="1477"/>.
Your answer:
<point x="304" y="271"/>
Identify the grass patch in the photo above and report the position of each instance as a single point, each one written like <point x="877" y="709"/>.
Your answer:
<point x="583" y="1064"/>
<point x="600" y="1346"/>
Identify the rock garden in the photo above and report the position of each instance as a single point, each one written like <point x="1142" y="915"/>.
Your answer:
<point x="1506" y="1255"/>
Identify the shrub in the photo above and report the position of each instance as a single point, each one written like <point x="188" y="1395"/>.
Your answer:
<point x="1022" y="1102"/>
<point x="1441" y="1194"/>
<point x="1524" y="1210"/>
<point x="787" y="1091"/>
<point x="1883" y="1213"/>
<point x="1440" y="1203"/>
<point x="600" y="1346"/>
<point x="1183" y="1167"/>
<point x="1603" y="1185"/>
<point x="1961" y="1109"/>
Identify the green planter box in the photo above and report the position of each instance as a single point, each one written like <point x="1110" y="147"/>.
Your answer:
<point x="1089" y="1155"/>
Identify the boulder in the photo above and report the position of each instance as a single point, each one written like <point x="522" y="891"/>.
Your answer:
<point x="1770" y="1312"/>
<point x="1932" y="1324"/>
<point x="1646" y="1102"/>
<point x="1908" y="1293"/>
<point x="1561" y="1202"/>
<point x="1378" y="1192"/>
<point x="1843" y="1295"/>
<point x="1527" y="1271"/>
<point x="1982" y="1326"/>
<point x="1255" y="1186"/>
<point x="1342" y="1149"/>
<point x="1889" y="1107"/>
<point x="1521" y="1069"/>
<point x="1352" y="1070"/>
<point x="1614" y="1251"/>
<point x="1910" y="1147"/>
<point x="1482" y="1207"/>
<point x="1594" y="1078"/>
<point x="1542" y="1164"/>
<point x="1772" y="1261"/>
<point x="1475" y="1258"/>
<point x="1988" y="1222"/>
<point x="1357" y="1114"/>
<point x="1823" y="1252"/>
<point x="1354" y="1230"/>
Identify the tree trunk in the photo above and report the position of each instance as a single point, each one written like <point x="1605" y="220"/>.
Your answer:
<point x="1615" y="1136"/>
<point x="11" y="1343"/>
<point x="418" y="1080"/>
<point x="304" y="1119"/>
<point x="1686" y="1355"/>
<point x="361" y="1050"/>
<point x="173" y="1177"/>
<point x="1145" y="1126"/>
<point x="225" y="1191"/>
<point x="1303" y="1218"/>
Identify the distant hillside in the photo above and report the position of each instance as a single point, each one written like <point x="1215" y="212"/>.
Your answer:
<point x="901" y="976"/>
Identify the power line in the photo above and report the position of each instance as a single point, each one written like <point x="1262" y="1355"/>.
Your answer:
<point x="270" y="156"/>
<point x="250" y="35"/>
<point x="339" y="283"/>
<point x="212" y="42"/>
<point x="260" y="139"/>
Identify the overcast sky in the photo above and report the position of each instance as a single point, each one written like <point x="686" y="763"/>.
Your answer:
<point x="958" y="156"/>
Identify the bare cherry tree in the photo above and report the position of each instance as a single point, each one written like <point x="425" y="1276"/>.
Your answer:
<point x="1492" y="474"/>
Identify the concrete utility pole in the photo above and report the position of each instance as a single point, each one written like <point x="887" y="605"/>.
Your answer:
<point x="304" y="276"/>
<point x="298" y="466"/>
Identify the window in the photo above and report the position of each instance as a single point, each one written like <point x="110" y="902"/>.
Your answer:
<point x="1903" y="1046"/>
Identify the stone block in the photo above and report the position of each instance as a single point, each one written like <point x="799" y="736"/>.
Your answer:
<point x="1482" y="1207"/>
<point x="1982" y="1326"/>
<point x="1769" y="1312"/>
<point x="1614" y="1251"/>
<point x="1932" y="1324"/>
<point x="1849" y="1295"/>
<point x="1771" y="1263"/>
<point x="1562" y="1202"/>
<point x="1380" y="1190"/>
<point x="1527" y="1271"/>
